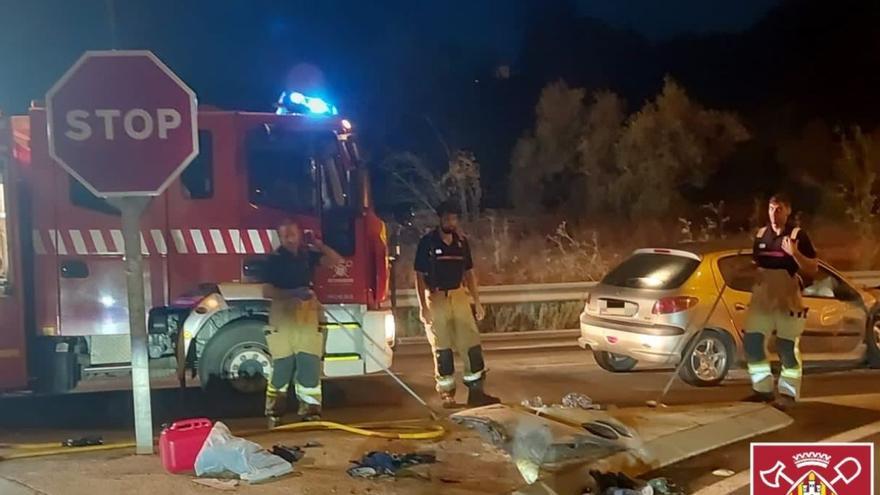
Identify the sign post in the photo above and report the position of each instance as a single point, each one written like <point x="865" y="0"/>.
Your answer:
<point x="125" y="126"/>
<point x="131" y="209"/>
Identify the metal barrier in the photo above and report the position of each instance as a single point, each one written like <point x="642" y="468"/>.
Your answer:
<point x="573" y="291"/>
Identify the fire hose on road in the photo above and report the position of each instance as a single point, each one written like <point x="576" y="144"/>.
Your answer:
<point x="392" y="430"/>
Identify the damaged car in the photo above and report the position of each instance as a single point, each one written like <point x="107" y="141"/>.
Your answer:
<point x="650" y="311"/>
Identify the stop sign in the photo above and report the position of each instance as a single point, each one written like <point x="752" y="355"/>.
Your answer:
<point x="122" y="123"/>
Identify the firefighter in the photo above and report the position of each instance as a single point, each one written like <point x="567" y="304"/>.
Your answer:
<point x="293" y="335"/>
<point x="444" y="267"/>
<point x="786" y="261"/>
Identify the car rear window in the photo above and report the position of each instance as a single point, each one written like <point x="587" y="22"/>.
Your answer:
<point x="652" y="271"/>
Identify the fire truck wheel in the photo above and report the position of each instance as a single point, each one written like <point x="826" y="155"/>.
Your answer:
<point x="237" y="357"/>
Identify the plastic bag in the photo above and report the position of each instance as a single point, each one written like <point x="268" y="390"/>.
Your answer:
<point x="531" y="441"/>
<point x="224" y="453"/>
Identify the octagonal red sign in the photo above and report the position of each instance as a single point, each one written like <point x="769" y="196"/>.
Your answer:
<point x="122" y="123"/>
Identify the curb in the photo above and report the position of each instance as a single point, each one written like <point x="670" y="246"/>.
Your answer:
<point x="504" y="336"/>
<point x="10" y="487"/>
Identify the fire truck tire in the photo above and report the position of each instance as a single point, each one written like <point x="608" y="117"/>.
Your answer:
<point x="236" y="358"/>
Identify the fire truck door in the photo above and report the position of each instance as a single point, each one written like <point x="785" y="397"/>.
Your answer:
<point x="13" y="371"/>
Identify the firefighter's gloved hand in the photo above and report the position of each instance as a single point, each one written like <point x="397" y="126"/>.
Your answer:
<point x="479" y="312"/>
<point x="425" y="316"/>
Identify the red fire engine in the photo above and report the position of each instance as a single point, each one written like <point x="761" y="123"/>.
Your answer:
<point x="62" y="284"/>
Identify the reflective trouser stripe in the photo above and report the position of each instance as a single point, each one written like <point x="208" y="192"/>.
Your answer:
<point x="762" y="377"/>
<point x="473" y="377"/>
<point x="445" y="383"/>
<point x="272" y="391"/>
<point x="309" y="395"/>
<point x="790" y="380"/>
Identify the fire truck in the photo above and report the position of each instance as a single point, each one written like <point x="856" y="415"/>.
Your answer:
<point x="205" y="241"/>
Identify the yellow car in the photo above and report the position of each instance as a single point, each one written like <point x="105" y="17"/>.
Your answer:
<point x="650" y="310"/>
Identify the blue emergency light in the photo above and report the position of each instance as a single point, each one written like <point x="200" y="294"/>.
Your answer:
<point x="294" y="102"/>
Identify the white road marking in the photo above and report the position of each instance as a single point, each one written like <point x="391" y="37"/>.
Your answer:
<point x="742" y="479"/>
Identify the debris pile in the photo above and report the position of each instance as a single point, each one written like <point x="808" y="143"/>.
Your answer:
<point x="389" y="465"/>
<point x="621" y="484"/>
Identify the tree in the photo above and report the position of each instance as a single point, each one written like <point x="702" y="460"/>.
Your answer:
<point x="671" y="144"/>
<point x="413" y="182"/>
<point x="551" y="148"/>
<point x="857" y="170"/>
<point x="462" y="182"/>
<point x="596" y="160"/>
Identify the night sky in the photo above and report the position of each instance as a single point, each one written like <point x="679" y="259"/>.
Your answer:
<point x="235" y="53"/>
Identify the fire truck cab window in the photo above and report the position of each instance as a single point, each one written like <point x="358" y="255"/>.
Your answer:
<point x="82" y="197"/>
<point x="198" y="177"/>
<point x="281" y="171"/>
<point x="334" y="190"/>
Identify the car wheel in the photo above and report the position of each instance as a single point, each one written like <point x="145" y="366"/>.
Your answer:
<point x="872" y="340"/>
<point x="707" y="359"/>
<point x="616" y="363"/>
<point x="237" y="357"/>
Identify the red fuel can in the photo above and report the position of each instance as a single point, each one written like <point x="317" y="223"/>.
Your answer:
<point x="180" y="443"/>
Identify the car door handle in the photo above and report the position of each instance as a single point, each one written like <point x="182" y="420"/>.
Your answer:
<point x="740" y="307"/>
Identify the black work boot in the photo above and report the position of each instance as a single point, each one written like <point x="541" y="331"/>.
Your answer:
<point x="448" y="399"/>
<point x="276" y="406"/>
<point x="761" y="397"/>
<point x="477" y="397"/>
<point x="784" y="402"/>
<point x="309" y="412"/>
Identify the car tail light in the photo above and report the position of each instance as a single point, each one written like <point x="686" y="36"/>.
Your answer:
<point x="669" y="305"/>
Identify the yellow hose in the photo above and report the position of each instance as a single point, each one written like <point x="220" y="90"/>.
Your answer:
<point x="410" y="433"/>
<point x="58" y="450"/>
<point x="390" y="430"/>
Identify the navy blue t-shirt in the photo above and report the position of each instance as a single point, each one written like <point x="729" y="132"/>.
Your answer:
<point x="286" y="270"/>
<point x="768" y="252"/>
<point x="443" y="264"/>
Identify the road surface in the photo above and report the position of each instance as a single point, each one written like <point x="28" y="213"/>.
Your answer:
<point x="548" y="371"/>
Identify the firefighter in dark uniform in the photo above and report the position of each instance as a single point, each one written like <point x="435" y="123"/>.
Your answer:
<point x="293" y="335"/>
<point x="446" y="285"/>
<point x="786" y="261"/>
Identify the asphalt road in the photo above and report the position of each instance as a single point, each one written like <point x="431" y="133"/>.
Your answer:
<point x="548" y="372"/>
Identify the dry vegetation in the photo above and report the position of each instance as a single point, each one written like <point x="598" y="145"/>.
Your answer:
<point x="516" y="250"/>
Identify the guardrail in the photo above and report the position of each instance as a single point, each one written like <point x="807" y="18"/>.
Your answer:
<point x="572" y="291"/>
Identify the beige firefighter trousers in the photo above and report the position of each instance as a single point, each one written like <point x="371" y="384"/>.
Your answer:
<point x="776" y="306"/>
<point x="296" y="343"/>
<point x="454" y="331"/>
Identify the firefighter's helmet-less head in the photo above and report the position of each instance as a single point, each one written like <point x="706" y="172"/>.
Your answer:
<point x="448" y="211"/>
